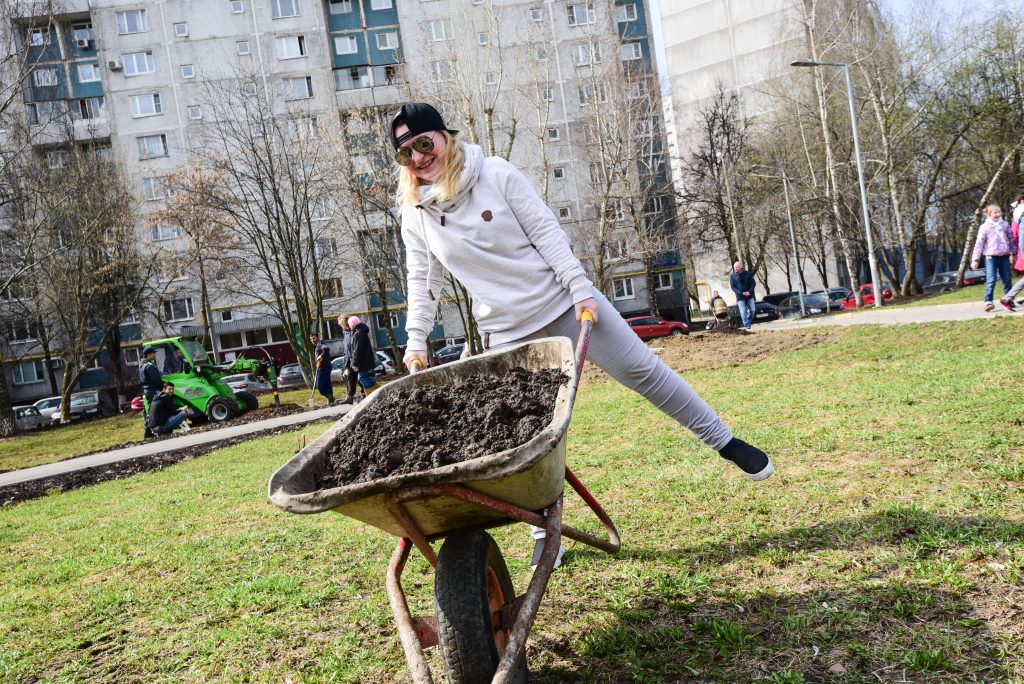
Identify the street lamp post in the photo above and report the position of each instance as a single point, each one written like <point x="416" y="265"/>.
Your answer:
<point x="792" y="234"/>
<point x="876" y="283"/>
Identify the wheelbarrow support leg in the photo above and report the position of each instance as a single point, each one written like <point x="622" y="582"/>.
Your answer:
<point x="406" y="631"/>
<point x="531" y="599"/>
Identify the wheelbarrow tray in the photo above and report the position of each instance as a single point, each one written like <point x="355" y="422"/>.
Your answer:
<point x="530" y="476"/>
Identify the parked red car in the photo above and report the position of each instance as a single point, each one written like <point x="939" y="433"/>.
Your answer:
<point x="867" y="295"/>
<point x="649" y="327"/>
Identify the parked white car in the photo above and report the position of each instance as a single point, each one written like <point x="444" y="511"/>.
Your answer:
<point x="47" y="407"/>
<point x="245" y="382"/>
<point x="386" y="361"/>
<point x="29" y="418"/>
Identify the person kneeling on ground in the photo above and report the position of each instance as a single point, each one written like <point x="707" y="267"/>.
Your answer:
<point x="164" y="417"/>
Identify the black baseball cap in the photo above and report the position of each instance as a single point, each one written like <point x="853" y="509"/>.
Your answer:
<point x="420" y="117"/>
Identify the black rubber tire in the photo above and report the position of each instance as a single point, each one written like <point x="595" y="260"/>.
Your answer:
<point x="249" y="400"/>
<point x="462" y="607"/>
<point x="676" y="333"/>
<point x="220" y="409"/>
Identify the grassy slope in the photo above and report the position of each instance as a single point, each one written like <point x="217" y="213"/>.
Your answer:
<point x="890" y="543"/>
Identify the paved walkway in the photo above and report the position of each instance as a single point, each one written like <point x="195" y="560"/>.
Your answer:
<point x="961" y="311"/>
<point x="163" y="445"/>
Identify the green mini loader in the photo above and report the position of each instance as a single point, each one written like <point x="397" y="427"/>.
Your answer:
<point x="197" y="380"/>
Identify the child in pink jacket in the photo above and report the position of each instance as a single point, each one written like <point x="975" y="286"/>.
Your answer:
<point x="996" y="243"/>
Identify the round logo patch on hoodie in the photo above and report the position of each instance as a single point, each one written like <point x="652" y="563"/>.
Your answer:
<point x="487" y="215"/>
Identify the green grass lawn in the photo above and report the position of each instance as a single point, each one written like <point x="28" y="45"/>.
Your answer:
<point x="84" y="437"/>
<point x="888" y="547"/>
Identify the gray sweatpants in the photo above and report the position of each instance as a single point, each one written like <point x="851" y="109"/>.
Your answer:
<point x="617" y="350"/>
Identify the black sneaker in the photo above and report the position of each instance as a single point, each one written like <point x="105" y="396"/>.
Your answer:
<point x="754" y="463"/>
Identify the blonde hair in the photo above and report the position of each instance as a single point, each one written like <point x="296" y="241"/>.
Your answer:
<point x="989" y="207"/>
<point x="447" y="184"/>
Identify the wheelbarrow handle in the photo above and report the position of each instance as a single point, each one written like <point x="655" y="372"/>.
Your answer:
<point x="586" y="326"/>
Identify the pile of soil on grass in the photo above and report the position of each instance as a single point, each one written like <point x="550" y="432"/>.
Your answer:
<point x="431" y="426"/>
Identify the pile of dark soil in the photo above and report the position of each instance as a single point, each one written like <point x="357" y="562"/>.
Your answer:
<point x="427" y="427"/>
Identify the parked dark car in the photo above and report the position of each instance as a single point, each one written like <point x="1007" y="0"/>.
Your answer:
<point x="447" y="354"/>
<point x="940" y="282"/>
<point x="649" y="327"/>
<point x="777" y="298"/>
<point x="290" y="376"/>
<point x="763" y="313"/>
<point x="88" y="404"/>
<point x="814" y="305"/>
<point x="835" y="294"/>
<point x="974" y="276"/>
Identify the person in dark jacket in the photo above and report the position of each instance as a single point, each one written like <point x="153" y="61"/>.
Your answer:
<point x="152" y="382"/>
<point x="363" y="359"/>
<point x="322" y="354"/>
<point x="742" y="283"/>
<point x="346" y="350"/>
<point x="164" y="416"/>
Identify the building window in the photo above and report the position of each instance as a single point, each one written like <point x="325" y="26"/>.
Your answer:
<point x="332" y="288"/>
<point x="340" y="6"/>
<point x="631" y="51"/>
<point x="345" y="45"/>
<point x="623" y="288"/>
<point x="145" y="105"/>
<point x="188" y="71"/>
<point x="617" y="249"/>
<point x="588" y="93"/>
<point x="558" y="172"/>
<point x="564" y="213"/>
<point x="625" y="13"/>
<point x="319" y="210"/>
<point x="132" y="21"/>
<point x="441" y="70"/>
<point x="284" y="8"/>
<point x="298" y="88"/>
<point x="387" y="40"/>
<point x="588" y="53"/>
<point x="542" y="55"/>
<point x="536" y="14"/>
<point x="18" y="333"/>
<point x="181" y="30"/>
<point x="83" y="35"/>
<point x="178" y="309"/>
<point x="136" y="63"/>
<point x="303" y="128"/>
<point x="91" y="108"/>
<point x="39" y="36"/>
<point x="249" y="89"/>
<point x="195" y="112"/>
<point x="290" y="47"/>
<point x="547" y="94"/>
<point x="44" y="77"/>
<point x="225" y="315"/>
<point x="151" y="146"/>
<point x="381" y="4"/>
<point x="581" y="13"/>
<point x="554" y="133"/>
<point x="56" y="159"/>
<point x="153" y="189"/>
<point x="325" y="248"/>
<point x="243" y="47"/>
<point x="662" y="281"/>
<point x="481" y="38"/>
<point x="383" y="319"/>
<point x="88" y="73"/>
<point x="161" y="232"/>
<point x="237" y="7"/>
<point x="28" y="372"/>
<point x="439" y="29"/>
<point x="491" y="78"/>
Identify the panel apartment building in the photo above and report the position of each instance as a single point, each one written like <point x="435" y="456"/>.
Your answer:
<point x="133" y="77"/>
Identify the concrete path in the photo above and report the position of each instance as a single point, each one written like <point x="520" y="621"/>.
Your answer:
<point x="961" y="311"/>
<point x="160" y="446"/>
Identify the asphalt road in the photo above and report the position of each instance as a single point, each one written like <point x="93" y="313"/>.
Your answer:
<point x="162" y="445"/>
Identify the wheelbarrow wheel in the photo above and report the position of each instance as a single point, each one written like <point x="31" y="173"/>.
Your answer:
<point x="471" y="585"/>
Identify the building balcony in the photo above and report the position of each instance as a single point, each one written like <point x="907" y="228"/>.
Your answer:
<point x="367" y="86"/>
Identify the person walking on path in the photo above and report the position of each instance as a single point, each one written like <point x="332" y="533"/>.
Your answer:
<point x="164" y="416"/>
<point x="1017" y="207"/>
<point x="152" y="383"/>
<point x="1007" y="302"/>
<point x="322" y="380"/>
<point x="742" y="283"/>
<point x="346" y="350"/>
<point x="482" y="220"/>
<point x="364" y="360"/>
<point x="995" y="242"/>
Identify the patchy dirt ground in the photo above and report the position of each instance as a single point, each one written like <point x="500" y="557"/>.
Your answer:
<point x="725" y="347"/>
<point x="431" y="426"/>
<point x="12" y="494"/>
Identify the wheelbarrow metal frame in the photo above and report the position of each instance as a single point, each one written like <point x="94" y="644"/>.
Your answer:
<point x="417" y="633"/>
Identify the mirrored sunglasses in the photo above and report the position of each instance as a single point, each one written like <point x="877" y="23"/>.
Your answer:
<point x="423" y="145"/>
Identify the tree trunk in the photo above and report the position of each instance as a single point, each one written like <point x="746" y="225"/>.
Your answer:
<point x="7" y="426"/>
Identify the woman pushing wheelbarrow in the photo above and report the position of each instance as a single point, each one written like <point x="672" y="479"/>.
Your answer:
<point x="481" y="219"/>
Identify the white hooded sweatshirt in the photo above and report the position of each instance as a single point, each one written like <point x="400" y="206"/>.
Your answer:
<point x="502" y="243"/>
